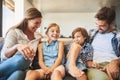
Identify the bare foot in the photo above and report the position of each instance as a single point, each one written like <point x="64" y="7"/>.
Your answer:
<point x="75" y="72"/>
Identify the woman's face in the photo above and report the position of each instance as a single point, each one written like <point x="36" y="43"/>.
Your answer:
<point x="79" y="38"/>
<point x="34" y="24"/>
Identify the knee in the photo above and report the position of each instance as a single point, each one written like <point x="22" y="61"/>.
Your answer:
<point x="55" y="74"/>
<point x="31" y="75"/>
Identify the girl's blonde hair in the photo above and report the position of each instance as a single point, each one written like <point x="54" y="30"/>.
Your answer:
<point x="52" y="25"/>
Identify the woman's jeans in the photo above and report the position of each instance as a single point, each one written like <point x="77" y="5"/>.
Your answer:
<point x="17" y="62"/>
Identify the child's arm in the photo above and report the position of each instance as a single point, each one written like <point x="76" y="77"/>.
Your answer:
<point x="60" y="56"/>
<point x="74" y="52"/>
<point x="40" y="57"/>
<point x="72" y="68"/>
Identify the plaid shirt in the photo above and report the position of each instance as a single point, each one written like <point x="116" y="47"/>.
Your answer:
<point x="86" y="53"/>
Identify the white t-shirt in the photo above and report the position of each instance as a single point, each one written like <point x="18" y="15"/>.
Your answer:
<point x="17" y="36"/>
<point x="103" y="50"/>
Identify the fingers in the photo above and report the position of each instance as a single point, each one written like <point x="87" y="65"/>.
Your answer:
<point x="95" y="65"/>
<point x="115" y="75"/>
<point x="109" y="74"/>
<point x="27" y="51"/>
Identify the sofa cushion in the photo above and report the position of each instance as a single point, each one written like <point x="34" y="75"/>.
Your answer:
<point x="1" y="45"/>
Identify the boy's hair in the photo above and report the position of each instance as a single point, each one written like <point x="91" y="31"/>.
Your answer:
<point x="82" y="30"/>
<point x="107" y="14"/>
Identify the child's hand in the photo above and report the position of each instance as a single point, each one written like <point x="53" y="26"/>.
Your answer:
<point x="48" y="73"/>
<point x="93" y="64"/>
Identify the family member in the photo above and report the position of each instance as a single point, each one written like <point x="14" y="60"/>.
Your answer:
<point x="50" y="57"/>
<point x="20" y="44"/>
<point x="106" y="44"/>
<point x="80" y="53"/>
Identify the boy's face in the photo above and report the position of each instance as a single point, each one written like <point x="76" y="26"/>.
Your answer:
<point x="79" y="38"/>
<point x="103" y="26"/>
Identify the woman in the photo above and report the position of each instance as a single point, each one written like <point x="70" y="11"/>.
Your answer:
<point x="20" y="44"/>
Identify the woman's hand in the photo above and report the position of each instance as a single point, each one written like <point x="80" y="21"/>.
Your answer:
<point x="26" y="50"/>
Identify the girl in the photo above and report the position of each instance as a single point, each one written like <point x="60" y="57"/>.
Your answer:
<point x="50" y="54"/>
<point x="79" y="55"/>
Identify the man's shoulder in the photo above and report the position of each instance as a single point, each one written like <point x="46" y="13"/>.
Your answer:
<point x="92" y="32"/>
<point x="117" y="32"/>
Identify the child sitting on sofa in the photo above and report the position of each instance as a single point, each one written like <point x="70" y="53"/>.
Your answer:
<point x="50" y="56"/>
<point x="80" y="54"/>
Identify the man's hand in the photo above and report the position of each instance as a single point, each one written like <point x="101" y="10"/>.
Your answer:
<point x="113" y="69"/>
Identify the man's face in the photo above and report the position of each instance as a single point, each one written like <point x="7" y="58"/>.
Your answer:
<point x="103" y="26"/>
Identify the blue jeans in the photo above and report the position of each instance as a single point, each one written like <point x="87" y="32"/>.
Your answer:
<point x="17" y="62"/>
<point x="17" y="75"/>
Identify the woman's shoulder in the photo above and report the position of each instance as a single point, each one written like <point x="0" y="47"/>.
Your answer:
<point x="14" y="30"/>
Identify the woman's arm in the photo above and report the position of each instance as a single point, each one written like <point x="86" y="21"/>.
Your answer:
<point x="11" y="46"/>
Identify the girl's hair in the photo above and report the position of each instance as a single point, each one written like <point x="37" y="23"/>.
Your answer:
<point x="30" y="14"/>
<point x="82" y="30"/>
<point x="52" y="25"/>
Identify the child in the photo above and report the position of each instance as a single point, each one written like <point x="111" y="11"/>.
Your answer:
<point x="50" y="54"/>
<point x="79" y="55"/>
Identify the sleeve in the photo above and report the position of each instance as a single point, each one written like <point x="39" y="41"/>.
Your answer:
<point x="87" y="54"/>
<point x="10" y="40"/>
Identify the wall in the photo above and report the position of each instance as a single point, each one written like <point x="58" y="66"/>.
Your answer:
<point x="68" y="21"/>
<point x="117" y="16"/>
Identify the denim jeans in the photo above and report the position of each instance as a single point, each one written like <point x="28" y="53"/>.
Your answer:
<point x="17" y="62"/>
<point x="17" y="75"/>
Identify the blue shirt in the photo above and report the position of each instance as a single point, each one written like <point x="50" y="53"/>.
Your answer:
<point x="50" y="52"/>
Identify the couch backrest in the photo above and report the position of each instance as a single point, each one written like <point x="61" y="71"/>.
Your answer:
<point x="1" y="45"/>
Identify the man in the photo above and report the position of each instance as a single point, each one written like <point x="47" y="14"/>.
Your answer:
<point x="106" y="44"/>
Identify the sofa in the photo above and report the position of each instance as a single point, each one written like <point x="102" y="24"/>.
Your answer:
<point x="66" y="42"/>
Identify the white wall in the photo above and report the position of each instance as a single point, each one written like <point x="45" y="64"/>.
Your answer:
<point x="68" y="21"/>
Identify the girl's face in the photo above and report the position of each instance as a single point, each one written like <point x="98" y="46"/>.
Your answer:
<point x="34" y="24"/>
<point x="53" y="33"/>
<point x="78" y="38"/>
